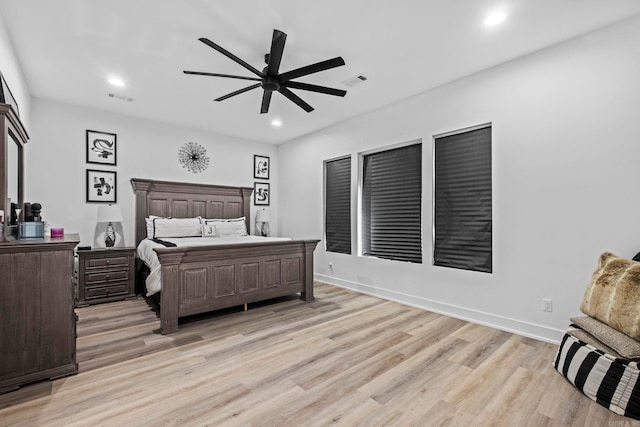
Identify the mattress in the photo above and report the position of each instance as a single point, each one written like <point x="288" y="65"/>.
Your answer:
<point x="606" y="379"/>
<point x="147" y="254"/>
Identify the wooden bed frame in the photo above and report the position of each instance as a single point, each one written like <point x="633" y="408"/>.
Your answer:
<point x="205" y="278"/>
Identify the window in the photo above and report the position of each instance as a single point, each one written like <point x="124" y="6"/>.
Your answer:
<point x="391" y="204"/>
<point x="337" y="205"/>
<point x="463" y="200"/>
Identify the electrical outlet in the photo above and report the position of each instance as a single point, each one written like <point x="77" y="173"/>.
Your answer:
<point x="547" y="305"/>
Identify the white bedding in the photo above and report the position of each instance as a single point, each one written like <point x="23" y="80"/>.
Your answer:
<point x="150" y="258"/>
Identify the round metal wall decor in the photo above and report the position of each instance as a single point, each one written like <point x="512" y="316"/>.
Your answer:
<point x="193" y="157"/>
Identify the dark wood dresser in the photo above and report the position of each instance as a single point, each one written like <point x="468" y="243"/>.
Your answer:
<point x="38" y="321"/>
<point x="105" y="275"/>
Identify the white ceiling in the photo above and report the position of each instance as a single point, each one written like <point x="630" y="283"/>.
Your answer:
<point x="69" y="48"/>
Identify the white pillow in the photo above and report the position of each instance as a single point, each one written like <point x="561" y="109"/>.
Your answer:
<point x="149" y="223"/>
<point x="208" y="230"/>
<point x="231" y="229"/>
<point x="241" y="219"/>
<point x="224" y="227"/>
<point x="176" y="227"/>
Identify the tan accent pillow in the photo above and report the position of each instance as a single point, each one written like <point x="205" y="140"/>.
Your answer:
<point x="621" y="343"/>
<point x="613" y="295"/>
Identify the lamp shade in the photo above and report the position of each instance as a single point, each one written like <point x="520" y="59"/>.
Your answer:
<point x="262" y="216"/>
<point x="109" y="213"/>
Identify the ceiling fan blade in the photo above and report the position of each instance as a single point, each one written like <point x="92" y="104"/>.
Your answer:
<point x="315" y="88"/>
<point x="230" y="56"/>
<point x="296" y="99"/>
<point x="275" y="55"/>
<point x="238" y="92"/>
<point x="200" y="73"/>
<point x="313" y="68"/>
<point x="266" y="100"/>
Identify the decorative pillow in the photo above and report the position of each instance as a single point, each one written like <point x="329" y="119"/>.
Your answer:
<point x="225" y="227"/>
<point x="587" y="338"/>
<point x="624" y="345"/>
<point x="208" y="230"/>
<point x="149" y="223"/>
<point x="176" y="227"/>
<point x="231" y="229"/>
<point x="613" y="295"/>
<point x="241" y="219"/>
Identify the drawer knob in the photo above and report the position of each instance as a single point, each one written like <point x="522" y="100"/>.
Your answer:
<point x="108" y="261"/>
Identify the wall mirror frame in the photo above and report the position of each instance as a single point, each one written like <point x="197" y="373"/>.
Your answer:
<point x="13" y="138"/>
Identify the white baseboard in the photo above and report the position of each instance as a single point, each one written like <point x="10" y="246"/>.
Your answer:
<point x="531" y="330"/>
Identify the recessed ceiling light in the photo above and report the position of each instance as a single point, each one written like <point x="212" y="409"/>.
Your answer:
<point x="494" y="19"/>
<point x="116" y="81"/>
<point x="276" y="123"/>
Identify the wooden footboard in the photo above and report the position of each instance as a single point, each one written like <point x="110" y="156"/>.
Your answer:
<point x="201" y="279"/>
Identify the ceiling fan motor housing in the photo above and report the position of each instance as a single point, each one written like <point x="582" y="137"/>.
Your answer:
<point x="270" y="84"/>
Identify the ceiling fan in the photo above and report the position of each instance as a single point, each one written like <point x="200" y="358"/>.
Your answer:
<point x="270" y="80"/>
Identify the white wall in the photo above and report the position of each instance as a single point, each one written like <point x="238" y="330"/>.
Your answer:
<point x="12" y="72"/>
<point x="566" y="147"/>
<point x="57" y="165"/>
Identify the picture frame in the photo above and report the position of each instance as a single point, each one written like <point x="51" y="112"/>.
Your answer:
<point x="101" y="147"/>
<point x="6" y="97"/>
<point x="261" y="166"/>
<point x="101" y="186"/>
<point x="261" y="193"/>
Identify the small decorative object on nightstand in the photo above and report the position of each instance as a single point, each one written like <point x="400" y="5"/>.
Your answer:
<point x="105" y="275"/>
<point x="110" y="214"/>
<point x="262" y="223"/>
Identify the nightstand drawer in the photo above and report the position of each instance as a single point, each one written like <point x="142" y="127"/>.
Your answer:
<point x="106" y="291"/>
<point x="95" y="263"/>
<point x="106" y="276"/>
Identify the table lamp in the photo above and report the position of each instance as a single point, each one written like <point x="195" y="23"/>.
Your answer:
<point x="262" y="222"/>
<point x="109" y="214"/>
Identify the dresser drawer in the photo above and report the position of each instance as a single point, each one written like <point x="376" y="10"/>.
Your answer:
<point x="95" y="263"/>
<point x="106" y="276"/>
<point x="106" y="291"/>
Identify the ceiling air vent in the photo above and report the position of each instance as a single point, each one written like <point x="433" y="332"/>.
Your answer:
<point x="355" y="80"/>
<point x="120" y="97"/>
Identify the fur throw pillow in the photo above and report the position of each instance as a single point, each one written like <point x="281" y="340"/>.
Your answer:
<point x="613" y="295"/>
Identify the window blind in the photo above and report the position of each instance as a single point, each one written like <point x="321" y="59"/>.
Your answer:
<point x="337" y="222"/>
<point x="392" y="204"/>
<point x="463" y="201"/>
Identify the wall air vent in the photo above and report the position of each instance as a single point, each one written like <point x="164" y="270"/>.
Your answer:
<point x="355" y="80"/>
<point x="120" y="97"/>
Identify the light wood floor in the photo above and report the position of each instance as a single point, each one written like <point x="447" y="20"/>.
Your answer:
<point x="344" y="359"/>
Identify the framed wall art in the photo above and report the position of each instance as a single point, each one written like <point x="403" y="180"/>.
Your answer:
<point x="101" y="186"/>
<point x="101" y="147"/>
<point x="261" y="193"/>
<point x="261" y="166"/>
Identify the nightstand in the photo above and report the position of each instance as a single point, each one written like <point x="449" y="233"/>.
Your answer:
<point x="105" y="275"/>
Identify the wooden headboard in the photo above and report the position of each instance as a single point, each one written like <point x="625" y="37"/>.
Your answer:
<point x="186" y="200"/>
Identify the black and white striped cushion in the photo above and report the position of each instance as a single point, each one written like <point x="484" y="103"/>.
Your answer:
<point x="610" y="381"/>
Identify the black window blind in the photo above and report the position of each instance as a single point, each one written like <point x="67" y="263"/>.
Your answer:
<point x="463" y="201"/>
<point x="337" y="229"/>
<point x="392" y="204"/>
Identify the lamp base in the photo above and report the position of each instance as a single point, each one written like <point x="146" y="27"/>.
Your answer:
<point x="264" y="230"/>
<point x="110" y="236"/>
